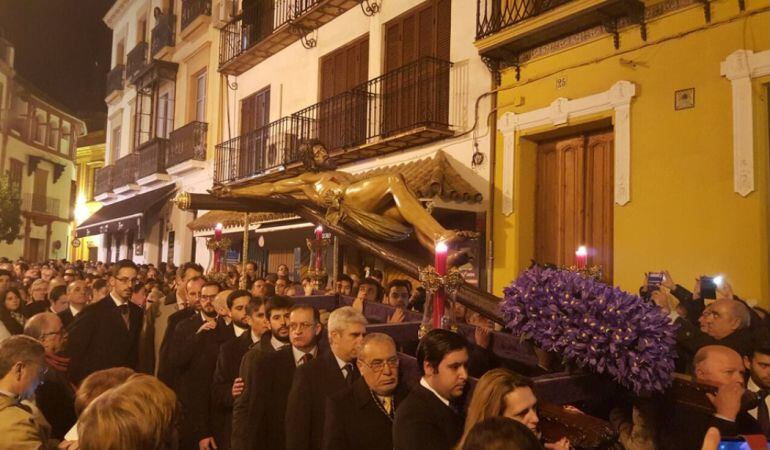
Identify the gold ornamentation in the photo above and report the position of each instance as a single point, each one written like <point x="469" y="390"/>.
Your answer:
<point x="431" y="280"/>
<point x="182" y="200"/>
<point x="222" y="244"/>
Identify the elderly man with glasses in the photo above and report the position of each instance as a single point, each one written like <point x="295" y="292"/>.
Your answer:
<point x="55" y="396"/>
<point x="361" y="416"/>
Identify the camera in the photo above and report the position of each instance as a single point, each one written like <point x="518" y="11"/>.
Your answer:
<point x="709" y="285"/>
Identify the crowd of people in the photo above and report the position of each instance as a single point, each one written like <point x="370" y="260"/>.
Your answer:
<point x="120" y="356"/>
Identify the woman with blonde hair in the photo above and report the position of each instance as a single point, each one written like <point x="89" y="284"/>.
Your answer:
<point x="139" y="414"/>
<point x="502" y="393"/>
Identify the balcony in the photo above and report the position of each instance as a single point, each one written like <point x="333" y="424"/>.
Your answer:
<point x="163" y="35"/>
<point x="194" y="12"/>
<point x="41" y="204"/>
<point x="406" y="107"/>
<point x="269" y="26"/>
<point x="115" y="82"/>
<point x="136" y="61"/>
<point x="125" y="174"/>
<point x="103" y="183"/>
<point x="152" y="162"/>
<point x="187" y="148"/>
<point x="506" y="28"/>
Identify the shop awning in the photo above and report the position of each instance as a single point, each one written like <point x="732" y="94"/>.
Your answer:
<point x="134" y="213"/>
<point x="235" y="219"/>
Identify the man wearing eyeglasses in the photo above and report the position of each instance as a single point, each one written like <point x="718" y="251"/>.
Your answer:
<point x="361" y="416"/>
<point x="106" y="334"/>
<point x="55" y="396"/>
<point x="321" y="377"/>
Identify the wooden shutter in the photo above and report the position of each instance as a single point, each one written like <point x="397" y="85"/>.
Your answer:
<point x="392" y="46"/>
<point x="255" y="114"/>
<point x="600" y="199"/>
<point x="443" y="29"/>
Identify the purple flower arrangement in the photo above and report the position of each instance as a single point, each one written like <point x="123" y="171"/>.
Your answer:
<point x="593" y="325"/>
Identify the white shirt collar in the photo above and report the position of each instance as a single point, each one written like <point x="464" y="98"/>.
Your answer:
<point x="752" y="386"/>
<point x="238" y="330"/>
<point x="254" y="337"/>
<point x="277" y="344"/>
<point x="74" y="311"/>
<point x="298" y="354"/>
<point x="117" y="301"/>
<point x="180" y="302"/>
<point x="424" y="383"/>
<point x="340" y="362"/>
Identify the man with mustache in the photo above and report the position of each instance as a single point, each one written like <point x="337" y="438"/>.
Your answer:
<point x="430" y="418"/>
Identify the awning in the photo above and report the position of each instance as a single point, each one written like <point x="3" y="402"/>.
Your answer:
<point x="134" y="213"/>
<point x="235" y="219"/>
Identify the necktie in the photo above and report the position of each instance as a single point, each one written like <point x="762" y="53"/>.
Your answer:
<point x="763" y="415"/>
<point x="124" y="313"/>
<point x="387" y="404"/>
<point x="306" y="358"/>
<point x="348" y="373"/>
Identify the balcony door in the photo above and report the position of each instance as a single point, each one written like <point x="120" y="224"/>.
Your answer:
<point x="255" y="115"/>
<point x="416" y="92"/>
<point x="574" y="200"/>
<point x="163" y="118"/>
<point x="342" y="118"/>
<point x="40" y="190"/>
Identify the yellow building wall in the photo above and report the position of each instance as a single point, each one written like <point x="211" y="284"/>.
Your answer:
<point x="683" y="214"/>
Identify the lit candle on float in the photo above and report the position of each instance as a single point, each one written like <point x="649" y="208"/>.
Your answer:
<point x="439" y="298"/>
<point x="217" y="251"/>
<point x="581" y="257"/>
<point x="218" y="232"/>
<point x="319" y="231"/>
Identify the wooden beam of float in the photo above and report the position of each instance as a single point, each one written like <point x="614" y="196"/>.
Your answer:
<point x="470" y="296"/>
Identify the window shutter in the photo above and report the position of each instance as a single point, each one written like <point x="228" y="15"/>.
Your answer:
<point x="392" y="46"/>
<point x="443" y="27"/>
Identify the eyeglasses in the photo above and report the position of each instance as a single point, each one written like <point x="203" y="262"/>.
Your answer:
<point x="378" y="365"/>
<point x="208" y="297"/>
<point x="126" y="280"/>
<point x="302" y="326"/>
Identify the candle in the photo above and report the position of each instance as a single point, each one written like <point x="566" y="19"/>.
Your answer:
<point x="218" y="232"/>
<point x="439" y="298"/>
<point x="581" y="257"/>
<point x="217" y="251"/>
<point x="319" y="230"/>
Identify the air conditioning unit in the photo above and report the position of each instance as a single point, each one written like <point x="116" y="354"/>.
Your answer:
<point x="224" y="12"/>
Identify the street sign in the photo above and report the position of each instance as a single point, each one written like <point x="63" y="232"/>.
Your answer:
<point x="76" y="242"/>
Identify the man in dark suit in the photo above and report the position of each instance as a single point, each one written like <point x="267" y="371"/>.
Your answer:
<point x="430" y="418"/>
<point x="683" y="428"/>
<point x="270" y="383"/>
<point x="77" y="295"/>
<point x="156" y="318"/>
<point x="361" y="416"/>
<point x="250" y="313"/>
<point x="106" y="334"/>
<point x="195" y="347"/>
<point x="166" y="370"/>
<point x="317" y="380"/>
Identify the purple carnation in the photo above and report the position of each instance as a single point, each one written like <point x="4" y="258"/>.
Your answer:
<point x="593" y="325"/>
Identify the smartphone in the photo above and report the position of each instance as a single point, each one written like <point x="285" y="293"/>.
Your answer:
<point x="708" y="287"/>
<point x="749" y="442"/>
<point x="654" y="280"/>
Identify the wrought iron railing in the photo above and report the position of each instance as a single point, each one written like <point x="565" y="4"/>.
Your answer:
<point x="41" y="204"/>
<point x="413" y="96"/>
<point x="115" y="79"/>
<point x="192" y="9"/>
<point x="152" y="157"/>
<point x="493" y="16"/>
<point x="186" y="143"/>
<point x="125" y="170"/>
<point x="255" y="152"/>
<point x="103" y="180"/>
<point x="257" y="22"/>
<point x="136" y="60"/>
<point x="163" y="33"/>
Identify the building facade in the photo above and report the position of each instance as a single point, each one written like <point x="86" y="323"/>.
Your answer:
<point x="382" y="84"/>
<point x="163" y="107"/>
<point x="38" y="139"/>
<point x="88" y="159"/>
<point x="638" y="129"/>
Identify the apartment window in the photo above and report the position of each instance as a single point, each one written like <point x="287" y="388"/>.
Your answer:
<point x="15" y="173"/>
<point x="164" y="117"/>
<point x="40" y="127"/>
<point x="120" y="51"/>
<point x="141" y="31"/>
<point x="64" y="137"/>
<point x="200" y="96"/>
<point x="53" y="133"/>
<point x="115" y="144"/>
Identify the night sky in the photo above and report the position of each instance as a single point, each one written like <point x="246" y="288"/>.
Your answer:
<point x="63" y="48"/>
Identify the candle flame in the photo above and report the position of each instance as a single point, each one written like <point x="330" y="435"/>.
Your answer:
<point x="581" y="251"/>
<point x="441" y="247"/>
<point x="319" y="229"/>
<point x="219" y="226"/>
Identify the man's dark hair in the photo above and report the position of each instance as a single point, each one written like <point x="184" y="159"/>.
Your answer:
<point x="345" y="277"/>
<point x="16" y="349"/>
<point x="271" y="278"/>
<point x="435" y="345"/>
<point x="190" y="265"/>
<point x="372" y="282"/>
<point x="376" y="273"/>
<point x="305" y="306"/>
<point x="122" y="264"/>
<point x="306" y="151"/>
<point x="399" y="283"/>
<point x="138" y="287"/>
<point x="238" y="293"/>
<point x="269" y="290"/>
<point x="252" y="263"/>
<point x="212" y="283"/>
<point x="501" y="433"/>
<point x="5" y="273"/>
<point x="99" y="283"/>
<point x="254" y="304"/>
<point x="56" y="293"/>
<point x="278" y="302"/>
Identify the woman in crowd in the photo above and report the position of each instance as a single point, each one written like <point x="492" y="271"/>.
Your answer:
<point x="501" y="433"/>
<point x="501" y="392"/>
<point x="10" y="311"/>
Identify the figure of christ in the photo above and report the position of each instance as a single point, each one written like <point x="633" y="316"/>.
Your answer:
<point x="382" y="206"/>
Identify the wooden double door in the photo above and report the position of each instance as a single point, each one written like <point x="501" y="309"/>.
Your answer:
<point x="574" y="200"/>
